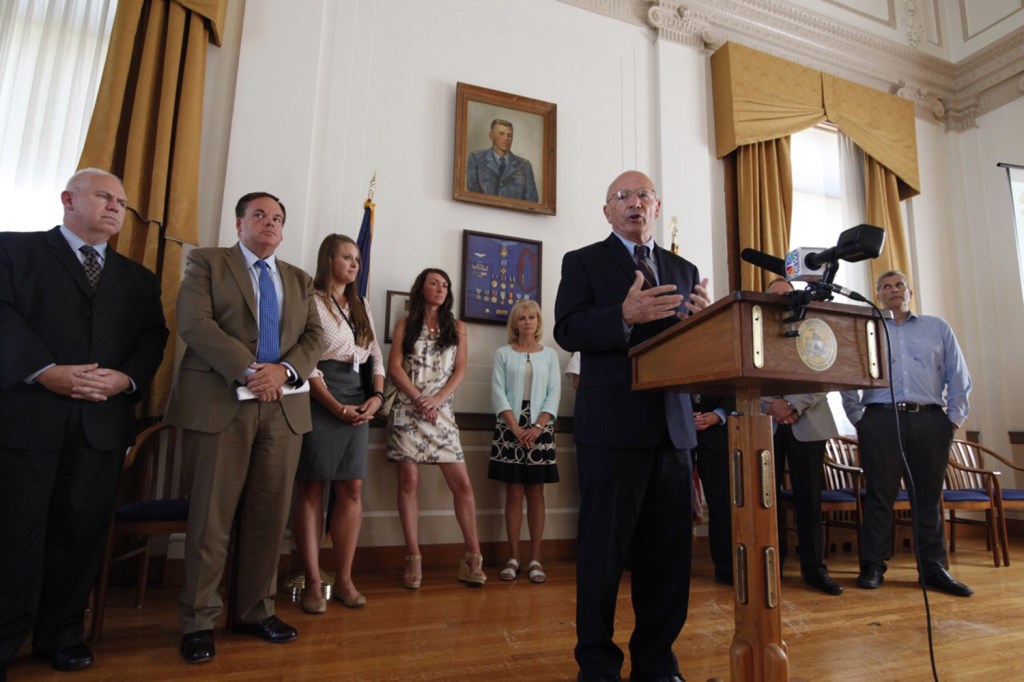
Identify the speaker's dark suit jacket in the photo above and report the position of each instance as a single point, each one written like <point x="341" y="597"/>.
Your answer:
<point x="60" y="458"/>
<point x="633" y="461"/>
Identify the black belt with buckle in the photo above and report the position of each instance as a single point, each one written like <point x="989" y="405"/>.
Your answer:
<point x="903" y="407"/>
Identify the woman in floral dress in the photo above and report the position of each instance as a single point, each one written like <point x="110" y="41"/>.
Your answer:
<point x="427" y="363"/>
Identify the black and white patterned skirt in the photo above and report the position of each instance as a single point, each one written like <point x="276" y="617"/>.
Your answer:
<point x="513" y="463"/>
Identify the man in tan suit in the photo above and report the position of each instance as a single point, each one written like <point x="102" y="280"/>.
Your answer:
<point x="249" y="320"/>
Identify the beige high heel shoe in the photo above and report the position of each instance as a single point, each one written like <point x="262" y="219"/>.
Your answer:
<point x="413" y="576"/>
<point x="471" y="569"/>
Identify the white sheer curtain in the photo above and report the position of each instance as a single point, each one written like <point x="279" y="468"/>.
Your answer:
<point x="51" y="59"/>
<point x="854" y="207"/>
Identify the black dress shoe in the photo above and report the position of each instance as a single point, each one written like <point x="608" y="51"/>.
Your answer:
<point x="942" y="581"/>
<point x="66" y="659"/>
<point x="270" y="629"/>
<point x="197" y="647"/>
<point x="820" y="580"/>
<point x="870" y="577"/>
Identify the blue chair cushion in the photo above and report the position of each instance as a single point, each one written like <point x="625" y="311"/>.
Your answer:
<point x="153" y="510"/>
<point x="969" y="495"/>
<point x="786" y="494"/>
<point x="1015" y="494"/>
<point x="837" y="496"/>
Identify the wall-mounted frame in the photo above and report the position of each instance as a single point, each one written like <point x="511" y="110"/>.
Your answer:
<point x="488" y="120"/>
<point x="497" y="271"/>
<point x="397" y="308"/>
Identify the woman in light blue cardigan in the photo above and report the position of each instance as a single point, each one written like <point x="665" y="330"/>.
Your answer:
<point x="524" y="393"/>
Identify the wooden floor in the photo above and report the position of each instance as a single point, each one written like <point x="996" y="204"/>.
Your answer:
<point x="520" y="631"/>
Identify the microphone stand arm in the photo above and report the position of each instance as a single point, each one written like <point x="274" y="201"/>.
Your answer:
<point x="818" y="290"/>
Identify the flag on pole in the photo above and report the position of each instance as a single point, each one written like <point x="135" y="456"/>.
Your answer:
<point x="365" y="239"/>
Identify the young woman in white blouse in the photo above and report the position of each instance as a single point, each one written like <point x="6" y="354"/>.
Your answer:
<point x="336" y="449"/>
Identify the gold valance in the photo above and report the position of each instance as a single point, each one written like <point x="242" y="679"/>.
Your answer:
<point x="760" y="97"/>
<point x="879" y="123"/>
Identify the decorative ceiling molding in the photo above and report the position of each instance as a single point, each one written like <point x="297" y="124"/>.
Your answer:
<point x="913" y="22"/>
<point x="889" y="21"/>
<point x="954" y="93"/>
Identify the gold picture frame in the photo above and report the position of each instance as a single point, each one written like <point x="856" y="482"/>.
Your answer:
<point x="493" y="126"/>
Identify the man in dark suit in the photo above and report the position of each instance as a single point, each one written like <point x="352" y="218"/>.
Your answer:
<point x="632" y="447"/>
<point x="83" y="334"/>
<point x="711" y="457"/>
<point x="250" y="321"/>
<point x="497" y="170"/>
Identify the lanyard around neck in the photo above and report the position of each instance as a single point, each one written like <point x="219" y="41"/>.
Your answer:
<point x="350" y="323"/>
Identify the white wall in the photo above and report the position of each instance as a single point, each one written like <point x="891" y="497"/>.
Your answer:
<point x="988" y="273"/>
<point x="327" y="93"/>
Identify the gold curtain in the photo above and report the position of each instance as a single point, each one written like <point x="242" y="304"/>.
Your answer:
<point x="765" y="183"/>
<point x="760" y="97"/>
<point x="146" y="128"/>
<point x="879" y="123"/>
<point x="881" y="187"/>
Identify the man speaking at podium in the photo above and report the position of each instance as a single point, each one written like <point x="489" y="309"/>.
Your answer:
<point x="633" y="448"/>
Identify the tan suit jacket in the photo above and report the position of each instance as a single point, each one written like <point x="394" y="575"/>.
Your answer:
<point x="218" y="319"/>
<point x="816" y="421"/>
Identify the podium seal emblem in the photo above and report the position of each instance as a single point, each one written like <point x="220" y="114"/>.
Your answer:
<point x="817" y="345"/>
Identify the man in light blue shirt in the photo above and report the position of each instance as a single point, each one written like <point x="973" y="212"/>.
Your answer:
<point x="926" y="362"/>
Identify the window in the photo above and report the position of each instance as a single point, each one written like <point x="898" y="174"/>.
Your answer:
<point x="826" y="201"/>
<point x="1016" y="176"/>
<point x="823" y="199"/>
<point x="51" y="58"/>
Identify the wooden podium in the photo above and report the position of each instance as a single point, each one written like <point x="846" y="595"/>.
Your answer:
<point x="742" y="346"/>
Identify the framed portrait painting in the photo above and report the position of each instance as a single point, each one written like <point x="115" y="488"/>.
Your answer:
<point x="496" y="273"/>
<point x="504" y="150"/>
<point x="397" y="308"/>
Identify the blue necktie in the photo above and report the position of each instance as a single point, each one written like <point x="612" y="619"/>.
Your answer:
<point x="501" y="167"/>
<point x="269" y="349"/>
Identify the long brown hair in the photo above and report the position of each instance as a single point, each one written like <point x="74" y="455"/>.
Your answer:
<point x="447" y="335"/>
<point x="323" y="282"/>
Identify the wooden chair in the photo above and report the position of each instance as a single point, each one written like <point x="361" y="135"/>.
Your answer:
<point x="842" y="487"/>
<point x="152" y="505"/>
<point x="787" y="513"/>
<point x="971" y="487"/>
<point x="973" y="455"/>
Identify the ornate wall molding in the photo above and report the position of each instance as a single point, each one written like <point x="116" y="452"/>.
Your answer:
<point x="956" y="93"/>
<point x="679" y="24"/>
<point x="927" y="103"/>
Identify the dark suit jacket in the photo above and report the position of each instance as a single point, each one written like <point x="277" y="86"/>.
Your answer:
<point x="717" y="436"/>
<point x="219" y="320"/>
<point x="516" y="182"/>
<point x="50" y="315"/>
<point x="588" y="318"/>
